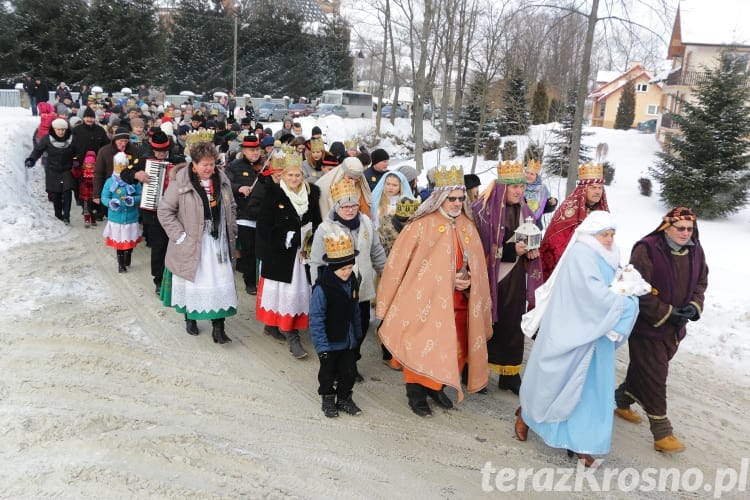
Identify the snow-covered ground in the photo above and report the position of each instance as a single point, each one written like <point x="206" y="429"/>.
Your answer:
<point x="103" y="395"/>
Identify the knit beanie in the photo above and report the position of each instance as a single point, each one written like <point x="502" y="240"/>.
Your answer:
<point x="379" y="155"/>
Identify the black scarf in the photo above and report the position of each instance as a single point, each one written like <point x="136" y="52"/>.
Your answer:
<point x="351" y="224"/>
<point x="211" y="213"/>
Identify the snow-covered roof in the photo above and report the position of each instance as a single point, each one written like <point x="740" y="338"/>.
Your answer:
<point x="714" y="22"/>
<point x="605" y="76"/>
<point x="607" y="88"/>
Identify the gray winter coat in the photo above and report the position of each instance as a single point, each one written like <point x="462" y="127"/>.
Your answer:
<point x="181" y="210"/>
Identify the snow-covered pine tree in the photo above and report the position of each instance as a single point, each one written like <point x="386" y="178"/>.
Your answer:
<point x="514" y="115"/>
<point x="706" y="166"/>
<point x="558" y="160"/>
<point x="467" y="123"/>
<point x="626" y="108"/>
<point x="540" y="104"/>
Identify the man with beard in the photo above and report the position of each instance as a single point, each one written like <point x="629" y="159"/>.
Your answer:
<point x="433" y="298"/>
<point x="161" y="150"/>
<point x="498" y="212"/>
<point x="588" y="196"/>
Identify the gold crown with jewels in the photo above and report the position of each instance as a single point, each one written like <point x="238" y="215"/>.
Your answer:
<point x="591" y="171"/>
<point x="448" y="177"/>
<point x="345" y="189"/>
<point x="317" y="145"/>
<point x="510" y="172"/>
<point x="339" y="246"/>
<point x="533" y="166"/>
<point x="406" y="207"/>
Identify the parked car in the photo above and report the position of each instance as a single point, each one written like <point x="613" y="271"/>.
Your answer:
<point x="270" y="112"/>
<point x="647" y="127"/>
<point x="299" y="109"/>
<point x="220" y="110"/>
<point x="331" y="109"/>
<point x="400" y="112"/>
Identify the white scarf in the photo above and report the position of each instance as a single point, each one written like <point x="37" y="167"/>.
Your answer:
<point x="299" y="200"/>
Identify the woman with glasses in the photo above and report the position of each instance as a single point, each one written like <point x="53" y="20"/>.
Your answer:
<point x="671" y="258"/>
<point x="345" y="217"/>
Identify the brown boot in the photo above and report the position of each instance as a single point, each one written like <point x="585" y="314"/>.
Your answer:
<point x="629" y="415"/>
<point x="669" y="444"/>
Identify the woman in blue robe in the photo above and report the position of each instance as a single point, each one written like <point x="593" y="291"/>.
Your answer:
<point x="567" y="390"/>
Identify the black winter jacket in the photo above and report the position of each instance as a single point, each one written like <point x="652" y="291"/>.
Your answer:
<point x="58" y="176"/>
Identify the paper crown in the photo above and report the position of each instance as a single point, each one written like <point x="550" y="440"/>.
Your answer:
<point x="405" y="207"/>
<point x="510" y="172"/>
<point x="292" y="160"/>
<point x="317" y="145"/>
<point x="345" y="190"/>
<point x="533" y="166"/>
<point x="448" y="177"/>
<point x="196" y="136"/>
<point x="350" y="144"/>
<point x="591" y="172"/>
<point x="339" y="247"/>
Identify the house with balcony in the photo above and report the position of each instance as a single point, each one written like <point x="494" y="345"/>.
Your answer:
<point x="702" y="32"/>
<point x="606" y="97"/>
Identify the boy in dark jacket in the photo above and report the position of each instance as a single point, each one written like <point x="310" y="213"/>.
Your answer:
<point x="335" y="328"/>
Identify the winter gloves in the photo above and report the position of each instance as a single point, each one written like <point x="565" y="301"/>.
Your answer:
<point x="680" y="315"/>
<point x="29" y="162"/>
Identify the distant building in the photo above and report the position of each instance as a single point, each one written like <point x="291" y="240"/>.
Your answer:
<point x="702" y="31"/>
<point x="606" y="97"/>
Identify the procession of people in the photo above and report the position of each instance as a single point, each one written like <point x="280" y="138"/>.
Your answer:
<point x="332" y="244"/>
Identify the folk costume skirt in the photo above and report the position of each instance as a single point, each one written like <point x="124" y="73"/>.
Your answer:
<point x="284" y="305"/>
<point x="122" y="236"/>
<point x="212" y="295"/>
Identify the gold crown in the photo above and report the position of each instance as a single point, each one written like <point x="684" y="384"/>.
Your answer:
<point x="339" y="246"/>
<point x="350" y="144"/>
<point x="405" y="207"/>
<point x="591" y="171"/>
<point x="317" y="145"/>
<point x="292" y="160"/>
<point x="448" y="177"/>
<point x="196" y="136"/>
<point x="510" y="172"/>
<point x="533" y="166"/>
<point x="345" y="189"/>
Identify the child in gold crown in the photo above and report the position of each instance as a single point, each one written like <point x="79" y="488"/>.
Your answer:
<point x="335" y="326"/>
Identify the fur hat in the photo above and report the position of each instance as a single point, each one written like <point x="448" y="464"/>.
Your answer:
<point x="379" y="155"/>
<point x="59" y="123"/>
<point x="471" y="181"/>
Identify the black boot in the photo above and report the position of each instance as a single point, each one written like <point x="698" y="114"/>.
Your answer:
<point x="510" y="383"/>
<point x="329" y="406"/>
<point x="121" y="262"/>
<point x="347" y="405"/>
<point x="417" y="396"/>
<point x="191" y="326"/>
<point x="217" y="332"/>
<point x="441" y="398"/>
<point x="128" y="254"/>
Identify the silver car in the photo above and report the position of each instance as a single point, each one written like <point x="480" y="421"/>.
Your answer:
<point x="270" y="112"/>
<point x="331" y="109"/>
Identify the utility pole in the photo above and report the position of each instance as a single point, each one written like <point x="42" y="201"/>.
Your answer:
<point x="234" y="59"/>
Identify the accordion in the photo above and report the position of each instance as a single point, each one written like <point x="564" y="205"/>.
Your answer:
<point x="157" y="174"/>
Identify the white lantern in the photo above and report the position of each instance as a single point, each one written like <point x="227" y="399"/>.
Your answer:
<point x="529" y="234"/>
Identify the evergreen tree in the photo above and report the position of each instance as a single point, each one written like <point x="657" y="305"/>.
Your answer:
<point x="9" y="67"/>
<point x="706" y="166"/>
<point x="336" y="64"/>
<point x="200" y="47"/>
<point x="558" y="161"/>
<point x="468" y="122"/>
<point x="514" y="116"/>
<point x="626" y="108"/>
<point x="49" y="41"/>
<point x="124" y="44"/>
<point x="540" y="105"/>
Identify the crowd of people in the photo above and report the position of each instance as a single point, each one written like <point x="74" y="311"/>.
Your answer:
<point x="331" y="241"/>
